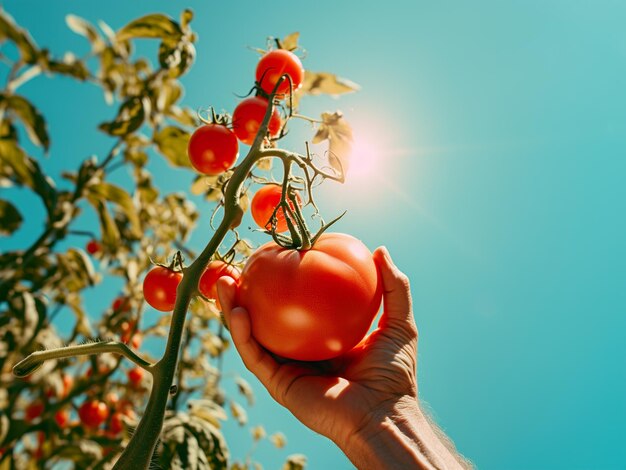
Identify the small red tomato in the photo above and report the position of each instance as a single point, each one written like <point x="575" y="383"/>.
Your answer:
<point x="62" y="417"/>
<point x="263" y="204"/>
<point x="121" y="304"/>
<point x="93" y="413"/>
<point x="93" y="247"/>
<point x="135" y="375"/>
<point x="159" y="288"/>
<point x="116" y="424"/>
<point x="33" y="411"/>
<point x="213" y="149"/>
<point x="276" y="63"/>
<point x="248" y="116"/>
<point x="208" y="281"/>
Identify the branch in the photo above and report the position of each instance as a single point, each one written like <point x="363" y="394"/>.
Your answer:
<point x="35" y="360"/>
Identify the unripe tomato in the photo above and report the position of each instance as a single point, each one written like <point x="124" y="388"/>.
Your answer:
<point x="248" y="116"/>
<point x="263" y="204"/>
<point x="276" y="63"/>
<point x="33" y="411"/>
<point x="93" y="413"/>
<point x="208" y="281"/>
<point x="93" y="247"/>
<point x="311" y="305"/>
<point x="62" y="417"/>
<point x="159" y="288"/>
<point x="135" y="375"/>
<point x="213" y="149"/>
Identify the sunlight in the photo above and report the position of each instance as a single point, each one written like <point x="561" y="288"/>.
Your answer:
<point x="364" y="159"/>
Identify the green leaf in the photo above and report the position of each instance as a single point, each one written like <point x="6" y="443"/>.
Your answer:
<point x="129" y="118"/>
<point x="116" y="195"/>
<point x="172" y="143"/>
<point x="110" y="233"/>
<point x="10" y="218"/>
<point x="31" y="117"/>
<point x="21" y="38"/>
<point x="155" y="25"/>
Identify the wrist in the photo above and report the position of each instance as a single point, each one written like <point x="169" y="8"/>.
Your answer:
<point x="398" y="435"/>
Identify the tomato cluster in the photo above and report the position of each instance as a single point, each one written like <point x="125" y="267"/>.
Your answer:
<point x="213" y="148"/>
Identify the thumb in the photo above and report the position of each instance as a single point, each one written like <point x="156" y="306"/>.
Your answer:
<point x="396" y="293"/>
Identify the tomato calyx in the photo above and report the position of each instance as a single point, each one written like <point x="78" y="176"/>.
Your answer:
<point x="223" y="119"/>
<point x="288" y="211"/>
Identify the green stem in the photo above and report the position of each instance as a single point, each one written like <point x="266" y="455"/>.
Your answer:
<point x="30" y="364"/>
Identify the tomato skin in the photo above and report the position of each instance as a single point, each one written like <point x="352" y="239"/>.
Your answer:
<point x="248" y="116"/>
<point x="311" y="305"/>
<point x="212" y="149"/>
<point x="276" y="63"/>
<point x="121" y="304"/>
<point x="93" y="247"/>
<point x="207" y="285"/>
<point x="93" y="413"/>
<point x="159" y="288"/>
<point x="263" y="203"/>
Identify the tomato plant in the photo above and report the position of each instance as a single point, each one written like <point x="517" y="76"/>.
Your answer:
<point x="248" y="116"/>
<point x="276" y="63"/>
<point x="213" y="149"/>
<point x="159" y="288"/>
<point x="315" y="304"/>
<point x="263" y="204"/>
<point x="93" y="413"/>
<point x="208" y="281"/>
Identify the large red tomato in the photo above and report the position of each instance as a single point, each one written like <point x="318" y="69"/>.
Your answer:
<point x="311" y="305"/>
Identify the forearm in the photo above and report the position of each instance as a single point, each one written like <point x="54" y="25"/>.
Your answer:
<point x="401" y="438"/>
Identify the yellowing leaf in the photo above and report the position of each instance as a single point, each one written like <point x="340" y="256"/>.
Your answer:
<point x="338" y="132"/>
<point x="290" y="42"/>
<point x="238" y="413"/>
<point x="278" y="439"/>
<point x="316" y="83"/>
<point x="33" y="120"/>
<point x="172" y="143"/>
<point x="155" y="25"/>
<point x="129" y="118"/>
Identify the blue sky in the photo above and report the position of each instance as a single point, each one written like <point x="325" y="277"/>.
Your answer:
<point x="497" y="135"/>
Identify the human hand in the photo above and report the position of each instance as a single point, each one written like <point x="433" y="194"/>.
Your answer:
<point x="343" y="397"/>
